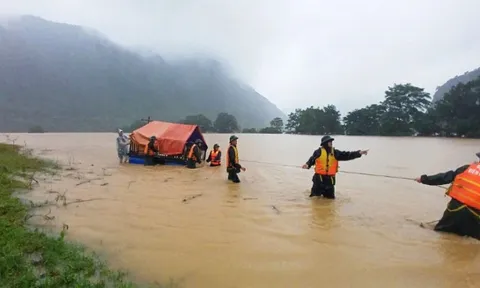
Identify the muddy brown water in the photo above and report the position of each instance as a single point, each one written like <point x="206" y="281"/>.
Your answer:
<point x="266" y="231"/>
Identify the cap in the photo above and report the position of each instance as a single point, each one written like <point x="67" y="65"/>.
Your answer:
<point x="216" y="145"/>
<point x="233" y="138"/>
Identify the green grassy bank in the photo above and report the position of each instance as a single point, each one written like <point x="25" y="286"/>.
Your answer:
<point x="30" y="258"/>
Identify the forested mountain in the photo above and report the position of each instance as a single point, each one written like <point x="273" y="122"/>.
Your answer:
<point x="465" y="78"/>
<point x="68" y="78"/>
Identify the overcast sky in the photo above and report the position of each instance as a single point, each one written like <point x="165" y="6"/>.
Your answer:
<point x="296" y="53"/>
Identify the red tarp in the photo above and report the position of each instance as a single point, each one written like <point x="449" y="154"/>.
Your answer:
<point x="171" y="137"/>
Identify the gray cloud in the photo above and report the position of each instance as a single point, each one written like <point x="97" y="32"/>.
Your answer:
<point x="296" y="53"/>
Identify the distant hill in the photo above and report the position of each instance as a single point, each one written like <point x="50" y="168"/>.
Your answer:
<point x="68" y="78"/>
<point x="466" y="77"/>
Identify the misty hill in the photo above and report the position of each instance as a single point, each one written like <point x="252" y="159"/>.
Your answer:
<point x="466" y="77"/>
<point x="69" y="78"/>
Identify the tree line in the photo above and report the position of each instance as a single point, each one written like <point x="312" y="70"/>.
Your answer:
<point x="227" y="123"/>
<point x="406" y="110"/>
<point x="224" y="123"/>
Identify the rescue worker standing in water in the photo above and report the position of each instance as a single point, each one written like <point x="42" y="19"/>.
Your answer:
<point x="215" y="156"/>
<point x="233" y="165"/>
<point x="194" y="155"/>
<point x="325" y="159"/>
<point x="462" y="216"/>
<point x="150" y="151"/>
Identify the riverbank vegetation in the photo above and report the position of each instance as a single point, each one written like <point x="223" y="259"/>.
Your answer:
<point x="28" y="257"/>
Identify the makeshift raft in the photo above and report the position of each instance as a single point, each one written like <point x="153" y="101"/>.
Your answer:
<point x="173" y="142"/>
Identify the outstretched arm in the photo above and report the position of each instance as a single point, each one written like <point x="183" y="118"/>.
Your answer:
<point x="441" y="178"/>
<point x="347" y="155"/>
<point x="209" y="157"/>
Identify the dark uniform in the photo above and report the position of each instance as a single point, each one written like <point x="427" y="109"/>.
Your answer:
<point x="233" y="165"/>
<point x="461" y="216"/>
<point x="194" y="155"/>
<point x="326" y="167"/>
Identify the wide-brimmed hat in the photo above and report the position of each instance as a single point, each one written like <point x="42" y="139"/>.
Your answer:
<point x="326" y="139"/>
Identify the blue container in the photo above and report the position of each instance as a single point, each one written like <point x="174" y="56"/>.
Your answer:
<point x="136" y="160"/>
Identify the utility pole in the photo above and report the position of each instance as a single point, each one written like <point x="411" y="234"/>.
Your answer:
<point x="148" y="120"/>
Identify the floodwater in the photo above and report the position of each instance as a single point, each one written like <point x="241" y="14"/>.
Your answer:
<point x="196" y="227"/>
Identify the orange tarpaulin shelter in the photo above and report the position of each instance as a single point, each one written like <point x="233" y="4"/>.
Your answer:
<point x="171" y="137"/>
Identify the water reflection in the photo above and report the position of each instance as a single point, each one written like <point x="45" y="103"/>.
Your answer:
<point x="324" y="213"/>
<point x="457" y="250"/>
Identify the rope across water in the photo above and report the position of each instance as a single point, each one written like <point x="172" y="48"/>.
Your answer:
<point x="342" y="171"/>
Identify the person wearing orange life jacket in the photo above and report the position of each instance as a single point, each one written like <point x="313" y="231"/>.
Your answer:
<point x="462" y="216"/>
<point x="233" y="165"/>
<point x="150" y="151"/>
<point x="215" y="156"/>
<point x="194" y="155"/>
<point x="325" y="159"/>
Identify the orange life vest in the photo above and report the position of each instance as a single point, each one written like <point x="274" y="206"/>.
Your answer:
<point x="191" y="155"/>
<point x="326" y="163"/>
<point x="213" y="158"/>
<point x="147" y="151"/>
<point x="228" y="158"/>
<point x="466" y="186"/>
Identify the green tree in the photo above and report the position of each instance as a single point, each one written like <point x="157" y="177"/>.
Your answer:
<point x="364" y="121"/>
<point x="269" y="130"/>
<point x="308" y="121"/>
<point x="36" y="129"/>
<point x="458" y="113"/>
<point x="277" y="124"/>
<point x="404" y="104"/>
<point x="427" y="124"/>
<point x="331" y="120"/>
<point x="315" y="121"/>
<point x="293" y="121"/>
<point x="201" y="120"/>
<point x="226" y="123"/>
<point x="249" y="130"/>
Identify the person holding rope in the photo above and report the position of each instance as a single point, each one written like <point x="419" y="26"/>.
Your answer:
<point x="326" y="160"/>
<point x="462" y="216"/>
